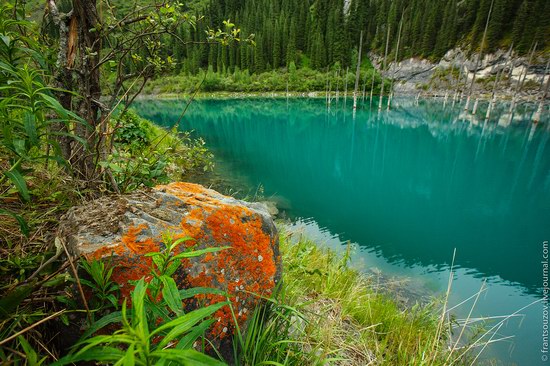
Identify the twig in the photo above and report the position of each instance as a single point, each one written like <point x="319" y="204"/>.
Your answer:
<point x="88" y="313"/>
<point x="54" y="315"/>
<point x="42" y="267"/>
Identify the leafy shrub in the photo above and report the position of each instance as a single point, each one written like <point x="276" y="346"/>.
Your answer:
<point x="299" y="80"/>
<point x="145" y="154"/>
<point x="132" y="131"/>
<point x="156" y="330"/>
<point x="30" y="117"/>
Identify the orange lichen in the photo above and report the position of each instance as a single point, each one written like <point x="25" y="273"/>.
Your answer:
<point x="129" y="259"/>
<point x="250" y="259"/>
<point x="138" y="247"/>
<point x="248" y="266"/>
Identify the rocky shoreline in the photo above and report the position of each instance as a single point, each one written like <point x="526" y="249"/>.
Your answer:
<point x="454" y="73"/>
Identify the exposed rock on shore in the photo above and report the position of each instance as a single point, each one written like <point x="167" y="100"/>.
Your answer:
<point x="128" y="227"/>
<point x="438" y="78"/>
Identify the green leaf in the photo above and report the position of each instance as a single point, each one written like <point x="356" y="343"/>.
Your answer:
<point x="115" y="317"/>
<point x="193" y="334"/>
<point x="129" y="358"/>
<point x="55" y="105"/>
<point x="171" y="295"/>
<point x="29" y="120"/>
<point x="139" y="318"/>
<point x="172" y="268"/>
<point x="187" y="357"/>
<point x="158" y="260"/>
<point x="178" y="242"/>
<point x="184" y="323"/>
<point x="19" y="147"/>
<point x="22" y="223"/>
<point x="19" y="182"/>
<point x="30" y="353"/>
<point x="93" y="354"/>
<point x="10" y="301"/>
<point x="6" y="40"/>
<point x="196" y="253"/>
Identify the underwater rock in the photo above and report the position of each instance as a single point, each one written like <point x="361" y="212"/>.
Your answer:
<point x="127" y="227"/>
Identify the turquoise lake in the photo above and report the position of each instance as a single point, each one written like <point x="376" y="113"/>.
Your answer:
<point x="407" y="186"/>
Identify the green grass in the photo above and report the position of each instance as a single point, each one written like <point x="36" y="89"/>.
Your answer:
<point x="349" y="320"/>
<point x="302" y="80"/>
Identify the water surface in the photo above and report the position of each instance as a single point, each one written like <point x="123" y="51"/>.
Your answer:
<point x="408" y="186"/>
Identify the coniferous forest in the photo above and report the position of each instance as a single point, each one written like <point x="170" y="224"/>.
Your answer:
<point x="321" y="33"/>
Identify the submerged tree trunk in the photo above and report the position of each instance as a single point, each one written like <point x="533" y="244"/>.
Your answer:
<point x="497" y="81"/>
<point x="337" y="85"/>
<point x="521" y="79"/>
<point x="538" y="113"/>
<point x="372" y="87"/>
<point x="346" y="86"/>
<point x="395" y="61"/>
<point x="358" y="71"/>
<point x="384" y="68"/>
<point x="479" y="56"/>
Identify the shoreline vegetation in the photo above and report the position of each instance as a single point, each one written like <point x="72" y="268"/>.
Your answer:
<point x="221" y="95"/>
<point x="67" y="137"/>
<point x="339" y="314"/>
<point x="306" y="83"/>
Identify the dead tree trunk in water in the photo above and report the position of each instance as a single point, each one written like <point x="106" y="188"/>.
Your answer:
<point x="495" y="86"/>
<point x="538" y="113"/>
<point x="521" y="80"/>
<point x="372" y="86"/>
<point x="358" y="71"/>
<point x="384" y="68"/>
<point x="395" y="61"/>
<point x="337" y="85"/>
<point x="346" y="87"/>
<point x="466" y="106"/>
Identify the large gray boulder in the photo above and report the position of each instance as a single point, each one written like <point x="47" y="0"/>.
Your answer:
<point x="125" y="228"/>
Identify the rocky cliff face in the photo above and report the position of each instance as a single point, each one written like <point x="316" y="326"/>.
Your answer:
<point x="457" y="68"/>
<point x="126" y="228"/>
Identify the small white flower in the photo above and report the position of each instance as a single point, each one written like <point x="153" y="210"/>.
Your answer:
<point x="224" y="329"/>
<point x="260" y="258"/>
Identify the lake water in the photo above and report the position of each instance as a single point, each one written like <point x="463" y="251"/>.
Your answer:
<point x="408" y="186"/>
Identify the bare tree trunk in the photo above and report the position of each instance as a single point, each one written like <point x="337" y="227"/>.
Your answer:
<point x="364" y="89"/>
<point x="372" y="87"/>
<point x="495" y="86"/>
<point x="358" y="71"/>
<point x="521" y="79"/>
<point x="326" y="89"/>
<point x="337" y="85"/>
<point x="538" y="113"/>
<point x="346" y="86"/>
<point x="384" y="68"/>
<point x="395" y="61"/>
<point x="479" y="56"/>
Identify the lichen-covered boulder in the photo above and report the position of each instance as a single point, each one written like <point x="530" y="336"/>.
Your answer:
<point x="130" y="226"/>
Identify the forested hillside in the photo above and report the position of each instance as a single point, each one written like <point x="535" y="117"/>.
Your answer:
<point x="319" y="33"/>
